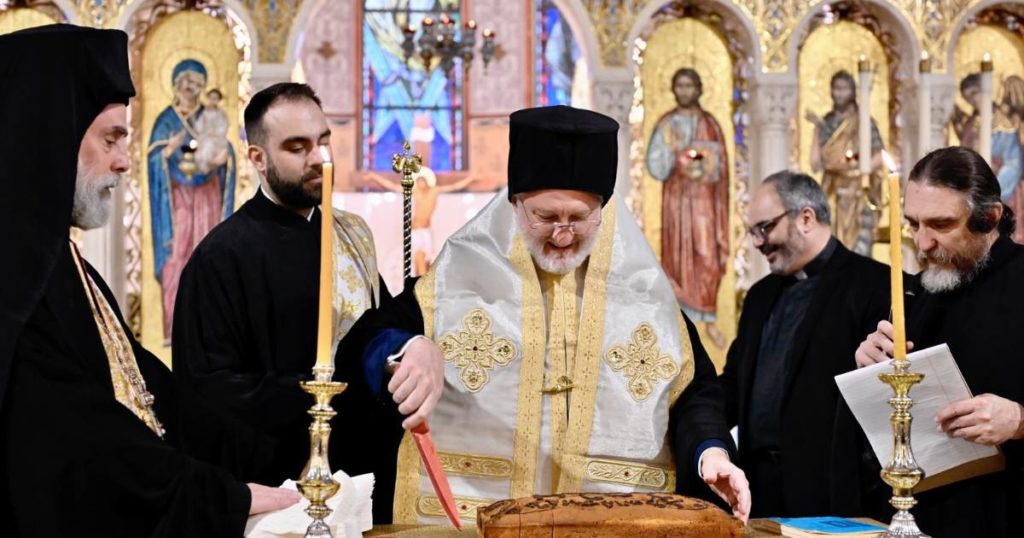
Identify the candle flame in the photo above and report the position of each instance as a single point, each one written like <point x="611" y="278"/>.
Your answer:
<point x="325" y="153"/>
<point x="890" y="164"/>
<point x="924" y="55"/>
<point x="987" y="57"/>
<point x="193" y="144"/>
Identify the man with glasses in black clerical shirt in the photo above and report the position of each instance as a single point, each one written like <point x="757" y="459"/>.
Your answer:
<point x="798" y="443"/>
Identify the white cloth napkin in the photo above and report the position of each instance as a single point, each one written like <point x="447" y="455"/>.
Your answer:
<point x="352" y="512"/>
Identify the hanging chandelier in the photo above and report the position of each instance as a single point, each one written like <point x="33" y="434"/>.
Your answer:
<point x="440" y="44"/>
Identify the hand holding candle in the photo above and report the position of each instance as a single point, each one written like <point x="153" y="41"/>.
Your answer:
<point x="325" y="316"/>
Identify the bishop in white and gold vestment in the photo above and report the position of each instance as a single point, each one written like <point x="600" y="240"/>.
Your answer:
<point x="568" y="366"/>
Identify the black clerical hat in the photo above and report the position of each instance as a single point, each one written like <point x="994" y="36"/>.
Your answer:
<point x="560" y="147"/>
<point x="55" y="81"/>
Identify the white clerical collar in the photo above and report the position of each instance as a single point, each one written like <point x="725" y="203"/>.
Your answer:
<point x="270" y="196"/>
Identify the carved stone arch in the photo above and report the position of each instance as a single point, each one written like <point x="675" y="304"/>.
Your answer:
<point x="966" y="17"/>
<point x="583" y="30"/>
<point x="908" y="44"/>
<point x="61" y="11"/>
<point x="739" y="19"/>
<point x="900" y="43"/>
<point x="235" y="8"/>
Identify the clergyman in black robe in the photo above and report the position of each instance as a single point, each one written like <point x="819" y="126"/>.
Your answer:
<point x="246" y="316"/>
<point x="799" y="444"/>
<point x="969" y="296"/>
<point x="95" y="437"/>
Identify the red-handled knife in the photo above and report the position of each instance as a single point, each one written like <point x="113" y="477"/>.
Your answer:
<point x="428" y="455"/>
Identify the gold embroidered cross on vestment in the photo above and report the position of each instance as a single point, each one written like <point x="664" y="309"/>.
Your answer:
<point x="642" y="362"/>
<point x="475" y="350"/>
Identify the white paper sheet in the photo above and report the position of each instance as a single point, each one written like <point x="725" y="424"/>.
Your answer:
<point x="351" y="516"/>
<point x="868" y="398"/>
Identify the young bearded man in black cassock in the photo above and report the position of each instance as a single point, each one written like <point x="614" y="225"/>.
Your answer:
<point x="95" y="437"/>
<point x="246" y="317"/>
<point x="969" y="296"/>
<point x="798" y="443"/>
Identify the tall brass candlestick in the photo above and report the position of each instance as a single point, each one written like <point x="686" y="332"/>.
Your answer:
<point x="316" y="484"/>
<point x="407" y="164"/>
<point x="902" y="472"/>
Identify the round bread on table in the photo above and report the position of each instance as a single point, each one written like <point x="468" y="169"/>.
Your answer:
<point x="652" y="515"/>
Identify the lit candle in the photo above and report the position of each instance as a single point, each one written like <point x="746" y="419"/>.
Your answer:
<point x="896" y="261"/>
<point x="864" y="116"/>
<point x="924" y="109"/>
<point x="325" y="317"/>
<point x="985" y="137"/>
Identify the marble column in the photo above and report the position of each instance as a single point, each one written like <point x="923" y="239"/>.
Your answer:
<point x="612" y="94"/>
<point x="943" y="97"/>
<point x="773" y="100"/>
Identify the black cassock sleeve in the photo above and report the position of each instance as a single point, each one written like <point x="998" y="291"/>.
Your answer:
<point x="698" y="417"/>
<point x="79" y="463"/>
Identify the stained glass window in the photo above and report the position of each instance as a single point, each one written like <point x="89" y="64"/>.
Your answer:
<point x="556" y="56"/>
<point x="403" y="101"/>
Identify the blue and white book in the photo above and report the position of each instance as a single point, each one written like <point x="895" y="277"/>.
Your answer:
<point x="809" y="527"/>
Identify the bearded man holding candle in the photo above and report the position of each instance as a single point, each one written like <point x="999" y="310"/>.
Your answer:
<point x="967" y="296"/>
<point x="246" y="328"/>
<point x="96" y="439"/>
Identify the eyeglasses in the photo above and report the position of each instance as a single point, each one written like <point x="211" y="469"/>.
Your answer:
<point x="552" y="229"/>
<point x="761" y="229"/>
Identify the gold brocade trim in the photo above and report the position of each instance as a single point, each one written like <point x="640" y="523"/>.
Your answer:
<point x="407" y="476"/>
<point x="126" y="379"/>
<point x="642" y="362"/>
<point x="466" y="507"/>
<point x="686" y="372"/>
<point x="588" y="349"/>
<point x="526" y="442"/>
<point x="407" y="482"/>
<point x="424" y="291"/>
<point x="361" y="239"/>
<point x="475" y="350"/>
<point x="630" y="474"/>
<point x="578" y="469"/>
<point x="562" y="316"/>
<point x="473" y="465"/>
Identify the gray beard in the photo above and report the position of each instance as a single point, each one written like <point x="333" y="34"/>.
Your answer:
<point x="91" y="207"/>
<point x="942" y="279"/>
<point x="557" y="265"/>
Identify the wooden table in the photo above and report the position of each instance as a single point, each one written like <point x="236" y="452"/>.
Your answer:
<point x="426" y="531"/>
